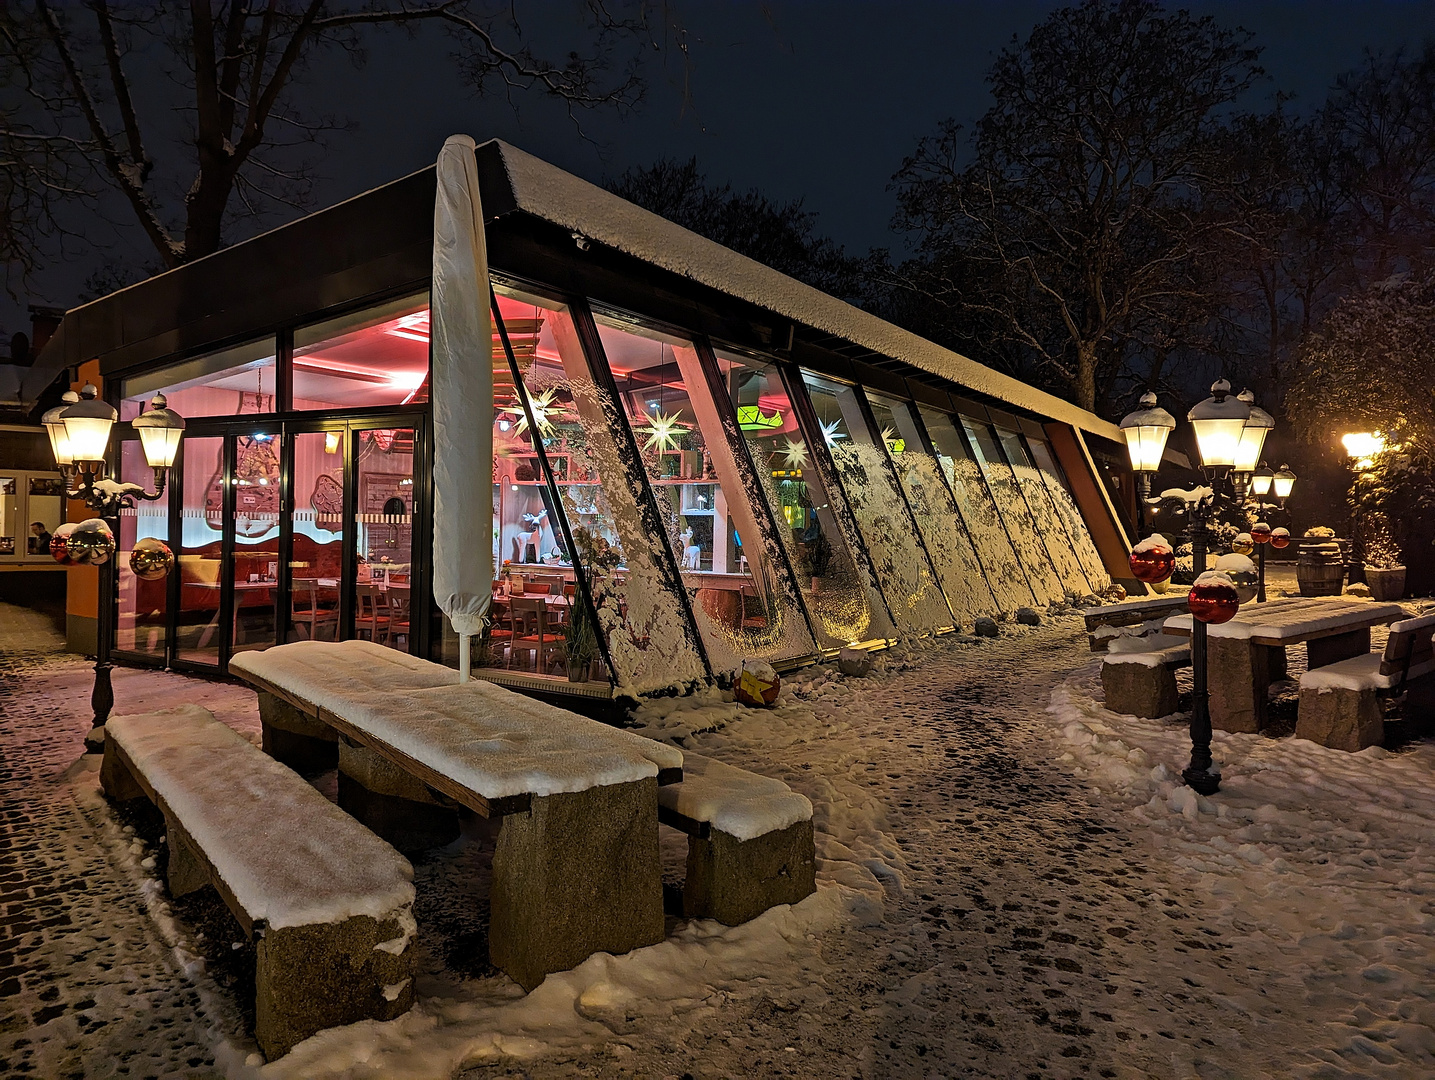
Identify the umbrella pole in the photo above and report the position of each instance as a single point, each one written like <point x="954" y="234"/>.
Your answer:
<point x="463" y="643"/>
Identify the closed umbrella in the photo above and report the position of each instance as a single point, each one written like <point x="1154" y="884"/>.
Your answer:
<point x="462" y="383"/>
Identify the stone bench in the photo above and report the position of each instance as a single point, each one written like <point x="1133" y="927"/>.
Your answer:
<point x="1140" y="617"/>
<point x="575" y="866"/>
<point x="331" y="905"/>
<point x="1340" y="703"/>
<point x="750" y="843"/>
<point x="1138" y="675"/>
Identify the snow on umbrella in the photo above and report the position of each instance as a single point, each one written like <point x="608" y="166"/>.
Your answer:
<point x="462" y="393"/>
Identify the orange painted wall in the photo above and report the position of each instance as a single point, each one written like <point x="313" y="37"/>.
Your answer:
<point x="82" y="596"/>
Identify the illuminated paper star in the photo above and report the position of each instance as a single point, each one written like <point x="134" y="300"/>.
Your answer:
<point x="830" y="432"/>
<point x="794" y="455"/>
<point x="894" y="443"/>
<point x="544" y="410"/>
<point x="664" y="431"/>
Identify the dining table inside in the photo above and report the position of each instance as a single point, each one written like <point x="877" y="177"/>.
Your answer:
<point x="1248" y="653"/>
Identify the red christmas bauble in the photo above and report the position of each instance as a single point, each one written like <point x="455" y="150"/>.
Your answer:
<point x="1280" y="538"/>
<point x="1261" y="533"/>
<point x="1213" y="602"/>
<point x="1152" y="564"/>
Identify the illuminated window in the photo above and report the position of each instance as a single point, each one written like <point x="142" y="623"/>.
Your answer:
<point x="226" y="383"/>
<point x="377" y="356"/>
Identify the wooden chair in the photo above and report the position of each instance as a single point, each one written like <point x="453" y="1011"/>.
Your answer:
<point x="398" y="601"/>
<point x="372" y="615"/>
<point x="308" y="612"/>
<point x="534" y="632"/>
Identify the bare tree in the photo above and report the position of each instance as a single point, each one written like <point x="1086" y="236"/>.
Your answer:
<point x="75" y="126"/>
<point x="1080" y="212"/>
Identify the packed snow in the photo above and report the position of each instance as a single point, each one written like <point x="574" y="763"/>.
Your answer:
<point x="289" y="856"/>
<point x="1002" y="891"/>
<point x="1294" y="620"/>
<point x="313" y="671"/>
<point x="1151" y="651"/>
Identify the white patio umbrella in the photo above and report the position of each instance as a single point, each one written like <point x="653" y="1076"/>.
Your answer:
<point x="462" y="382"/>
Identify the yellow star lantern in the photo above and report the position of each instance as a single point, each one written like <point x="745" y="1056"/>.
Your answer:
<point x="794" y="455"/>
<point x="664" y="431"/>
<point x="545" y="409"/>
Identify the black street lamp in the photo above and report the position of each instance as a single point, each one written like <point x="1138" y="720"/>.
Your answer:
<point x="79" y="433"/>
<point x="1146" y="431"/>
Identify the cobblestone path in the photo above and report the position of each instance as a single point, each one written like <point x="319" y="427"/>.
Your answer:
<point x="87" y="986"/>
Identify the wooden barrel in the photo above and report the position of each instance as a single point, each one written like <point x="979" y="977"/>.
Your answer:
<point x="1320" y="571"/>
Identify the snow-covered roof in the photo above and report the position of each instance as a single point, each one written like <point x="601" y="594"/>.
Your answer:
<point x="554" y="195"/>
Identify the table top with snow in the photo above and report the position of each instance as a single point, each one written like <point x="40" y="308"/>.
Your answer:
<point x="310" y="671"/>
<point x="287" y="855"/>
<point x="1285" y="622"/>
<point x="494" y="742"/>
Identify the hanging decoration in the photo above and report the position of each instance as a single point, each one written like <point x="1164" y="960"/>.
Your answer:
<point x="664" y="431"/>
<point x="1213" y="599"/>
<point x="1280" y="538"/>
<point x="752" y="418"/>
<point x="91" y="544"/>
<point x="59" y="540"/>
<point x="794" y="455"/>
<point x="830" y="433"/>
<point x="895" y="443"/>
<point x="545" y="410"/>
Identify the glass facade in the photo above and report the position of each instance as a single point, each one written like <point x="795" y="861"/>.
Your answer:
<point x="232" y="382"/>
<point x="31" y="506"/>
<point x="815" y="532"/>
<point x="883" y="518"/>
<point x="941" y="527"/>
<point x="662" y="509"/>
<point x="377" y="356"/>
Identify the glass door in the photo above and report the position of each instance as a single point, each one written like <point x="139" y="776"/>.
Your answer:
<point x="383" y="531"/>
<point x="199" y="551"/>
<point x="255" y="525"/>
<point x="317" y="535"/>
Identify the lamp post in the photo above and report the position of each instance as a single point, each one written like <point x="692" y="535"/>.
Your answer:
<point x="79" y="433"/>
<point x="1146" y="431"/>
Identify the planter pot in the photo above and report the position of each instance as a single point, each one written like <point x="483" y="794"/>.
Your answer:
<point x="1320" y="570"/>
<point x="1386" y="584"/>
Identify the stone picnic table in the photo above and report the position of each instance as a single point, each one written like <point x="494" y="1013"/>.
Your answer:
<point x="576" y="868"/>
<point x="1248" y="653"/>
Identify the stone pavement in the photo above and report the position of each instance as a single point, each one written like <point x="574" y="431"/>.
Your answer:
<point x="87" y="986"/>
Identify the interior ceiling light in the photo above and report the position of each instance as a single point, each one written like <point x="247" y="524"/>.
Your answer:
<point x="752" y="418"/>
<point x="414" y="327"/>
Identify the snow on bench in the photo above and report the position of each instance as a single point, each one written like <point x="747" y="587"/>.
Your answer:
<point x="307" y="672"/>
<point x="750" y="844"/>
<point x="1157" y="650"/>
<point x="330" y="902"/>
<point x="1339" y="703"/>
<point x="1138" y="674"/>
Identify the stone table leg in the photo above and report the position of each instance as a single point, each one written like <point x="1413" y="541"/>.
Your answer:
<point x="299" y="741"/>
<point x="1240" y="675"/>
<point x="391" y="802"/>
<point x="1330" y="650"/>
<point x="1279" y="671"/>
<point x="578" y="874"/>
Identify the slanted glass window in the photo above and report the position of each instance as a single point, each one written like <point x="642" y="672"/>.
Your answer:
<point x="839" y="595"/>
<point x="540" y="626"/>
<point x="1067" y="510"/>
<point x="377" y="356"/>
<point x="883" y="520"/>
<point x="1020" y="526"/>
<point x="1049" y="526"/>
<point x="226" y="383"/>
<point x="941" y="526"/>
<point x="974" y="501"/>
<point x="743" y="606"/>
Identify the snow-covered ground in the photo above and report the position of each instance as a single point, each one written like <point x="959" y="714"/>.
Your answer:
<point x="1011" y="884"/>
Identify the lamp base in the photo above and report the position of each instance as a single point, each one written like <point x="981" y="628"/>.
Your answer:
<point x="1201" y="781"/>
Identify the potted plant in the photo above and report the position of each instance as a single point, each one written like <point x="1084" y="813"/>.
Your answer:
<point x="1384" y="572"/>
<point x="1320" y="570"/>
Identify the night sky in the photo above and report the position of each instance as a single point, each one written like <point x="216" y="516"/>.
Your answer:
<point x="800" y="99"/>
